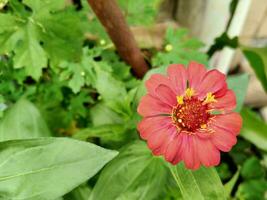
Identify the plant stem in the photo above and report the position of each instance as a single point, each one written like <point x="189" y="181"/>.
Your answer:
<point x="111" y="17"/>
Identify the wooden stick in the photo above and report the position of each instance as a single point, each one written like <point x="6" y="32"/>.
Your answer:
<point x="111" y="17"/>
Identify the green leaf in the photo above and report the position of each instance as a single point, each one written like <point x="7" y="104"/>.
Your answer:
<point x="112" y="132"/>
<point x="62" y="36"/>
<point x="231" y="183"/>
<point x="239" y="84"/>
<point x="223" y="41"/>
<point x="23" y="121"/>
<point x="30" y="54"/>
<point x="47" y="168"/>
<point x="179" y="48"/>
<point x="252" y="169"/>
<point x="40" y="7"/>
<point x="41" y="34"/>
<point x="80" y="193"/>
<point x="139" y="12"/>
<point x="79" y="74"/>
<point x="257" y="58"/>
<point x="112" y="91"/>
<point x="202" y="184"/>
<point x="252" y="190"/>
<point x="7" y="22"/>
<point x="254" y="129"/>
<point x="134" y="174"/>
<point x="102" y="115"/>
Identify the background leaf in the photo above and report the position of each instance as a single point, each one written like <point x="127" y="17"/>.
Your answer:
<point x="257" y="58"/>
<point x="23" y="121"/>
<point x="254" y="129"/>
<point x="47" y="168"/>
<point x="239" y="84"/>
<point x="229" y="186"/>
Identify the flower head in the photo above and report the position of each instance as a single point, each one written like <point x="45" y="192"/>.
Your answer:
<point x="188" y="115"/>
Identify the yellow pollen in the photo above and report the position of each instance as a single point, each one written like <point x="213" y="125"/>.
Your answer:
<point x="180" y="99"/>
<point x="203" y="126"/>
<point x="189" y="92"/>
<point x="210" y="98"/>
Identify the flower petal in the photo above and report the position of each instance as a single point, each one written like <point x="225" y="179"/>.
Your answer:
<point x="159" y="141"/>
<point x="166" y="95"/>
<point x="189" y="153"/>
<point x="223" y="139"/>
<point x="172" y="153"/>
<point x="195" y="72"/>
<point x="178" y="77"/>
<point x="150" y="106"/>
<point x="154" y="81"/>
<point x="208" y="154"/>
<point x="231" y="122"/>
<point x="212" y="82"/>
<point x="150" y="125"/>
<point x="222" y="91"/>
<point x="226" y="102"/>
<point x="156" y="140"/>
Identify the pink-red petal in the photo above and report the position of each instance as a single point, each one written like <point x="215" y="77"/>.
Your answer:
<point x="159" y="141"/>
<point x="190" y="152"/>
<point x="172" y="154"/>
<point x="178" y="77"/>
<point x="231" y="122"/>
<point x="208" y="154"/>
<point x="151" y="125"/>
<point x="166" y="95"/>
<point x="226" y="102"/>
<point x="154" y="81"/>
<point x="213" y="81"/>
<point x="150" y="106"/>
<point x="195" y="73"/>
<point x="223" y="139"/>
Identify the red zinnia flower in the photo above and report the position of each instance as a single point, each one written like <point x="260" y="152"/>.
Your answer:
<point x="188" y="115"/>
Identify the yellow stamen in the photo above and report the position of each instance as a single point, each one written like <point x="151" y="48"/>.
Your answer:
<point x="180" y="99"/>
<point x="189" y="92"/>
<point x="203" y="126"/>
<point x="210" y="98"/>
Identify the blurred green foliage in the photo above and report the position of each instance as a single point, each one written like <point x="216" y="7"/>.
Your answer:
<point x="60" y="75"/>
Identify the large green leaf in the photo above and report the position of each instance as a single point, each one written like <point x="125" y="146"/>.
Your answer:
<point x="135" y="174"/>
<point x="254" y="129"/>
<point x="202" y="184"/>
<point x="239" y="84"/>
<point x="258" y="61"/>
<point x="47" y="168"/>
<point x="23" y="121"/>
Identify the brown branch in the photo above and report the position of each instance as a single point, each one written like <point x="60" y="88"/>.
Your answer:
<point x="113" y="20"/>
